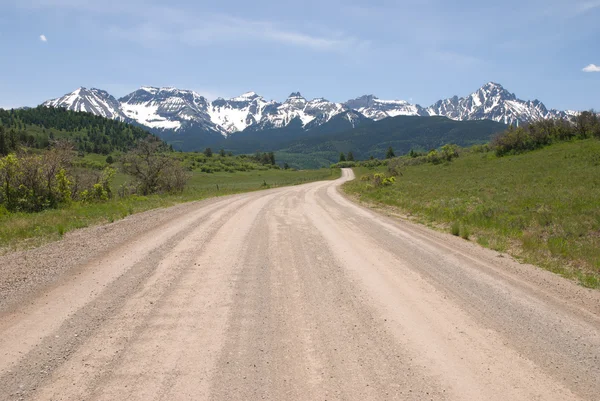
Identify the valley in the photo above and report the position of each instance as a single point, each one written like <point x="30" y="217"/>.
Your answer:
<point x="250" y="123"/>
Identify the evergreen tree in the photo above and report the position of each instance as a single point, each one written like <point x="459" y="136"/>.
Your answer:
<point x="222" y="152"/>
<point x="3" y="142"/>
<point x="342" y="157"/>
<point x="12" y="139"/>
<point x="208" y="152"/>
<point x="350" y="157"/>
<point x="272" y="158"/>
<point x="390" y="153"/>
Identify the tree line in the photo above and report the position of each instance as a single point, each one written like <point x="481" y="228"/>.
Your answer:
<point x="40" y="126"/>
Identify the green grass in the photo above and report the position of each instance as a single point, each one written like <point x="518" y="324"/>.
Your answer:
<point x="26" y="230"/>
<point x="542" y="206"/>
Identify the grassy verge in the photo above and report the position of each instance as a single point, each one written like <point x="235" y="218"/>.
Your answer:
<point x="25" y="230"/>
<point x="542" y="207"/>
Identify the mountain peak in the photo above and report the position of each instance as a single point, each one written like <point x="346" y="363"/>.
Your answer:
<point x="492" y="85"/>
<point x="151" y="89"/>
<point x="294" y="95"/>
<point x="377" y="109"/>
<point x="95" y="101"/>
<point x="495" y="90"/>
<point x="247" y="96"/>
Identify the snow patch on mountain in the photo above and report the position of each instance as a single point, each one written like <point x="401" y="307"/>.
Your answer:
<point x="378" y="109"/>
<point x="147" y="115"/>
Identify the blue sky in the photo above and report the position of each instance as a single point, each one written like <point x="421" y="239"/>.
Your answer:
<point x="419" y="51"/>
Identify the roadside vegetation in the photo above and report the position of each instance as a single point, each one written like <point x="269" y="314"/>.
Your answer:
<point x="533" y="192"/>
<point x="50" y="184"/>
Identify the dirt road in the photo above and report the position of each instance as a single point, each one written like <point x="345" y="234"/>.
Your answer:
<point x="288" y="294"/>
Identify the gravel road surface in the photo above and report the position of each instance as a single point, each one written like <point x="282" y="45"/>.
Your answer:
<point x="292" y="293"/>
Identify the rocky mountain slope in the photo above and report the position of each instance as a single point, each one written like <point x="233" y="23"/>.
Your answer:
<point x="95" y="101"/>
<point x="171" y="111"/>
<point x="493" y="102"/>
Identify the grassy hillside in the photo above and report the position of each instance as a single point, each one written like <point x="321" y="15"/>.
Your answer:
<point x="542" y="206"/>
<point x="37" y="127"/>
<point x="23" y="230"/>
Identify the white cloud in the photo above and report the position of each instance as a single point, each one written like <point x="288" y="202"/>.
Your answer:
<point x="591" y="68"/>
<point x="43" y="38"/>
<point x="220" y="28"/>
<point x="153" y="25"/>
<point x="587" y="6"/>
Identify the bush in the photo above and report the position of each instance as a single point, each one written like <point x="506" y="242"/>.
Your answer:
<point x="434" y="157"/>
<point x="393" y="167"/>
<point x="455" y="228"/>
<point x="34" y="182"/>
<point x="380" y="180"/>
<point x="345" y="164"/>
<point x="464" y="232"/>
<point x="543" y="133"/>
<point x="100" y="191"/>
<point x="153" y="170"/>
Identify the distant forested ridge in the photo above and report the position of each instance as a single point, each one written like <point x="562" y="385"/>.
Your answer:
<point x="37" y="127"/>
<point x="402" y="133"/>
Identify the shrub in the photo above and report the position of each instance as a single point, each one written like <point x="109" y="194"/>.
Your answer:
<point x="538" y="134"/>
<point x="380" y="180"/>
<point x="449" y="152"/>
<point x="455" y="228"/>
<point x="344" y="164"/>
<point x="153" y="170"/>
<point x="393" y="167"/>
<point x="100" y="191"/>
<point x="480" y="148"/>
<point x="33" y="182"/>
<point x="464" y="232"/>
<point x="434" y="157"/>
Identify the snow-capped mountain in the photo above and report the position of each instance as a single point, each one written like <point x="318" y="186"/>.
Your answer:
<point x="493" y="102"/>
<point x="93" y="101"/>
<point x="238" y="113"/>
<point x="377" y="109"/>
<point x="310" y="113"/>
<point x="173" y="110"/>
<point x="168" y="109"/>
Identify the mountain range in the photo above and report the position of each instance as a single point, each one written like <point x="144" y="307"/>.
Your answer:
<point x="189" y="120"/>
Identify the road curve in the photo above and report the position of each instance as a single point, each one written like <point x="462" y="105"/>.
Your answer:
<point x="292" y="293"/>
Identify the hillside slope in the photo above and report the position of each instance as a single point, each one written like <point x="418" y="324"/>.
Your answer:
<point x="542" y="206"/>
<point x="91" y="133"/>
<point x="402" y="133"/>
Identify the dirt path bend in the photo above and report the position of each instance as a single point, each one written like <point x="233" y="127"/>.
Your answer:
<point x="288" y="294"/>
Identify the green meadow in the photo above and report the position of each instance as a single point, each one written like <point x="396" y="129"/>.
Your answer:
<point x="26" y="230"/>
<point x="543" y="207"/>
